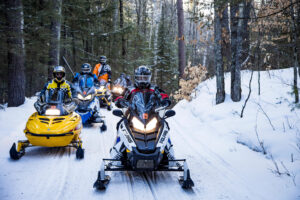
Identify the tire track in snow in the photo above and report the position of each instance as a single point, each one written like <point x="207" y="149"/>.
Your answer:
<point x="150" y="186"/>
<point x="213" y="165"/>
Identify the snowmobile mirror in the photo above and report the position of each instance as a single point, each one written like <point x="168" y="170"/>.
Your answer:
<point x="169" y="113"/>
<point x="118" y="112"/>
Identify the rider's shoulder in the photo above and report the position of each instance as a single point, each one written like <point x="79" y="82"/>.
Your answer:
<point x="107" y="67"/>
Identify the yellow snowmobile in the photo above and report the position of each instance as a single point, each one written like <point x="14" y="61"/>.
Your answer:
<point x="104" y="95"/>
<point x="55" y="124"/>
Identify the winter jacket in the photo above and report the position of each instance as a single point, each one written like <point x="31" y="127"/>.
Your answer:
<point x="53" y="84"/>
<point x="163" y="98"/>
<point x="77" y="76"/>
<point x="103" y="72"/>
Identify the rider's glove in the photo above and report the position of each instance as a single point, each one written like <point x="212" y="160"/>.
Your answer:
<point x="165" y="103"/>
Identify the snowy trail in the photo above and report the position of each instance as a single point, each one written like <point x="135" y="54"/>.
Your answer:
<point x="220" y="168"/>
<point x="54" y="173"/>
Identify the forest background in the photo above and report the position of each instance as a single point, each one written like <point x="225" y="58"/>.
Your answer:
<point x="218" y="36"/>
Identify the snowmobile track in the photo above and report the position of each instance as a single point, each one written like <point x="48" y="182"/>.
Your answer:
<point x="150" y="185"/>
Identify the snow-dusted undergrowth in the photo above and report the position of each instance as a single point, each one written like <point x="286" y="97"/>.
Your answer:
<point x="269" y="128"/>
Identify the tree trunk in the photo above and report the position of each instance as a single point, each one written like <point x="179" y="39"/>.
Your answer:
<point x="225" y="38"/>
<point x="157" y="20"/>
<point x="245" y="30"/>
<point x="116" y="13"/>
<point x="123" y="36"/>
<point x="55" y="28"/>
<point x="16" y="52"/>
<point x="220" y="96"/>
<point x="144" y="27"/>
<point x="295" y="56"/>
<point x="236" y="37"/>
<point x="181" y="45"/>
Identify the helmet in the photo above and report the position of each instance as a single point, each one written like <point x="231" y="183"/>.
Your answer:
<point x="142" y="76"/>
<point x="102" y="60"/>
<point x="59" y="73"/>
<point x="122" y="75"/>
<point x="86" y="68"/>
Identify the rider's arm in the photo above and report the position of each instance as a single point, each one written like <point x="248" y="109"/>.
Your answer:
<point x="69" y="89"/>
<point x="95" y="71"/>
<point x="121" y="99"/>
<point x="96" y="81"/>
<point x="108" y="71"/>
<point x="75" y="79"/>
<point x="164" y="97"/>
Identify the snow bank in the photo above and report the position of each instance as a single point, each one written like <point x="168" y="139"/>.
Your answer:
<point x="262" y="146"/>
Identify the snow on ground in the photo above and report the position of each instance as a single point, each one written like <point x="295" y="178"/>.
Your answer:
<point x="224" y="154"/>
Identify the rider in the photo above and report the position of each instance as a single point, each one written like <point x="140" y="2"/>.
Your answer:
<point x="86" y="69"/>
<point x="142" y="77"/>
<point x="58" y="82"/>
<point x="103" y="71"/>
<point x="142" y="84"/>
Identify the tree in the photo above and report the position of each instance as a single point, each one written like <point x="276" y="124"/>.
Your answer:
<point x="181" y="51"/>
<point x="220" y="96"/>
<point x="16" y="52"/>
<point x="55" y="29"/>
<point x="295" y="52"/>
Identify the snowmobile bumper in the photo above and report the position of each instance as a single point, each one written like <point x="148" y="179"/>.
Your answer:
<point x="50" y="140"/>
<point x="180" y="166"/>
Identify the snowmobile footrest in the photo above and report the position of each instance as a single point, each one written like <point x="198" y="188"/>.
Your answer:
<point x="186" y="182"/>
<point x="14" y="154"/>
<point x="101" y="183"/>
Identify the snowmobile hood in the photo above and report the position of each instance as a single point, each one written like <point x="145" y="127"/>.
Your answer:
<point x="39" y="124"/>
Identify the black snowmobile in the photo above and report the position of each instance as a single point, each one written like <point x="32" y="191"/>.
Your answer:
<point x="144" y="135"/>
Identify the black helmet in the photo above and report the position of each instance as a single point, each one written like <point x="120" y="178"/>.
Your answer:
<point x="86" y="68"/>
<point x="59" y="73"/>
<point x="102" y="60"/>
<point x="142" y="76"/>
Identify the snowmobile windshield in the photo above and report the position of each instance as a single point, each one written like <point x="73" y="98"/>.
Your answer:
<point x="56" y="96"/>
<point x="142" y="104"/>
<point x="120" y="82"/>
<point x="57" y="103"/>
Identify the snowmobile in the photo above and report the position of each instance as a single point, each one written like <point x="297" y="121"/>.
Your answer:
<point x="55" y="124"/>
<point x="88" y="105"/>
<point x="144" y="140"/>
<point x="119" y="88"/>
<point x="104" y="95"/>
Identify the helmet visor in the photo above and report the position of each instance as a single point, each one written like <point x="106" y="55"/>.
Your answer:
<point x="86" y="70"/>
<point x="142" y="78"/>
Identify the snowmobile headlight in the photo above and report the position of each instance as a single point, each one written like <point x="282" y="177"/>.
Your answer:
<point x="88" y="97"/>
<point x="52" y="112"/>
<point x="118" y="90"/>
<point x="151" y="125"/>
<point x="79" y="96"/>
<point x="137" y="124"/>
